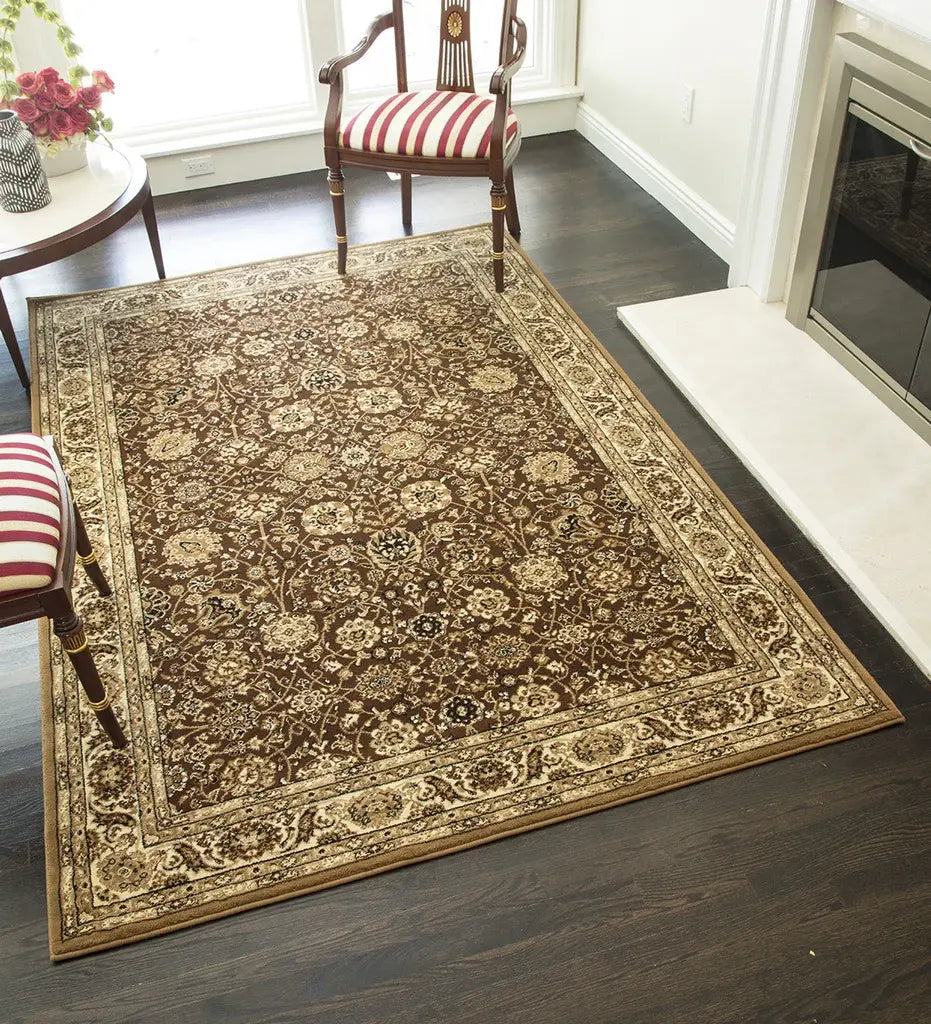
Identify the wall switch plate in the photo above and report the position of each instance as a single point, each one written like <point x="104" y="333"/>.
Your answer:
<point x="197" y="165"/>
<point x="688" y="103"/>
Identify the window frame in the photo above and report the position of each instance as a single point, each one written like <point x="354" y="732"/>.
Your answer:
<point x="546" y="46"/>
<point x="554" y="24"/>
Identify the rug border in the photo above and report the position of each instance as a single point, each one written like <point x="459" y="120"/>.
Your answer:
<point x="60" y="950"/>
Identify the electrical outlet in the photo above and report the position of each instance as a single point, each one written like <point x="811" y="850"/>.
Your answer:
<point x="688" y="103"/>
<point x="197" y="165"/>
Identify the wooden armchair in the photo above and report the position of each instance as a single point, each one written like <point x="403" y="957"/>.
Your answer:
<point x="449" y="131"/>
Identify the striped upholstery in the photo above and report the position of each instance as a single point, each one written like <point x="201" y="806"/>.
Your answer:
<point x="30" y="513"/>
<point x="437" y="124"/>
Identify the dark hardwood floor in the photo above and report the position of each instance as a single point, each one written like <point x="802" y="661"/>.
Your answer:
<point x="795" y="892"/>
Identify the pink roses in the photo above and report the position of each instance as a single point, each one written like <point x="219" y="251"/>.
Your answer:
<point x="29" y="83"/>
<point x="60" y="125"/>
<point x="55" y="110"/>
<point x="89" y="97"/>
<point x="102" y="80"/>
<point x="26" y="111"/>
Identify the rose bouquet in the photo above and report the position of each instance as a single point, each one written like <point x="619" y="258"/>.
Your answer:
<point x="59" y="113"/>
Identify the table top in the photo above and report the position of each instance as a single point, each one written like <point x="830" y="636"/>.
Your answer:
<point x="111" y="179"/>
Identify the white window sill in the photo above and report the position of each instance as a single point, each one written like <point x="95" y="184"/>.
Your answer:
<point x="153" y="144"/>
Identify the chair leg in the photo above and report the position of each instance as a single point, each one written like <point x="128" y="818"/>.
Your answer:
<point x="70" y="629"/>
<point x="336" y="182"/>
<point x="86" y="556"/>
<point x="513" y="218"/>
<point x="9" y="336"/>
<point x="499" y="204"/>
<point x="406" y="205"/>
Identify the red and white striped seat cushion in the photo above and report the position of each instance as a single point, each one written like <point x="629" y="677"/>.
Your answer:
<point x="439" y="124"/>
<point x="30" y="513"/>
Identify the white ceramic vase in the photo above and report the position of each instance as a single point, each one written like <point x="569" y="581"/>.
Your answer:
<point x="70" y="156"/>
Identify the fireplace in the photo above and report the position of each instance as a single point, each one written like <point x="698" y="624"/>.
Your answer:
<point x="862" y="279"/>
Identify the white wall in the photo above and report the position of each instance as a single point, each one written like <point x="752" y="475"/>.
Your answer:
<point x="635" y="57"/>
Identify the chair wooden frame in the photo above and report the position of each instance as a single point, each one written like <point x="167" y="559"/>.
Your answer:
<point x="454" y="74"/>
<point x="54" y="602"/>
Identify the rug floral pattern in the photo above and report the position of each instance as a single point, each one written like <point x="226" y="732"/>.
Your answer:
<point x="401" y="565"/>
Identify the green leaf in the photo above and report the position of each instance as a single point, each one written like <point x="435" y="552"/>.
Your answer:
<point x="6" y="46"/>
<point x="107" y="124"/>
<point x="7" y="65"/>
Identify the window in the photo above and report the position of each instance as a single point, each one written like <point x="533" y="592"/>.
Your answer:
<point x="193" y="73"/>
<point x="422" y="32"/>
<point x="195" y="61"/>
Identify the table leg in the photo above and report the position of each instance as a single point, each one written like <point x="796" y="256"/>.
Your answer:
<point x="9" y="336"/>
<point x="151" y="226"/>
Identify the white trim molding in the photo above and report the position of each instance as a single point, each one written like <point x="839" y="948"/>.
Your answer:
<point x="762" y="243"/>
<point x="702" y="219"/>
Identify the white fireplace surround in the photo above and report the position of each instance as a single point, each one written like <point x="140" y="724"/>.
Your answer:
<point x="797" y="34"/>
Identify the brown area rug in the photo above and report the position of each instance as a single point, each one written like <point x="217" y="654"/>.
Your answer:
<point x="401" y="566"/>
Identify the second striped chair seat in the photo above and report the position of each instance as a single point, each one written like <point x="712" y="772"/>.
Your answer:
<point x="30" y="513"/>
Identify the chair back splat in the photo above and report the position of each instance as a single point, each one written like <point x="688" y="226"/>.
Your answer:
<point x="454" y="70"/>
<point x="454" y="67"/>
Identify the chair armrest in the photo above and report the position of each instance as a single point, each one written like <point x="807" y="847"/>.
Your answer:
<point x="331" y="71"/>
<point x="504" y="74"/>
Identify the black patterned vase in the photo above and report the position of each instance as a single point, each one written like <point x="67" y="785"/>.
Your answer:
<point x="23" y="185"/>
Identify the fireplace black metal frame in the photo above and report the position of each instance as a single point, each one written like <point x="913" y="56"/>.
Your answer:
<point x="897" y="93"/>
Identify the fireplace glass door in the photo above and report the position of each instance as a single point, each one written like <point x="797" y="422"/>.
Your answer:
<point x="873" y="284"/>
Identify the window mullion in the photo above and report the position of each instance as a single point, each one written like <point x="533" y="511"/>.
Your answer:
<point x="323" y="20"/>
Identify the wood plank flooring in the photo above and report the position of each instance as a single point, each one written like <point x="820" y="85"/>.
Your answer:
<point x="795" y="892"/>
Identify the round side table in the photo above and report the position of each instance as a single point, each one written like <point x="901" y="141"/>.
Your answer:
<point x="87" y="205"/>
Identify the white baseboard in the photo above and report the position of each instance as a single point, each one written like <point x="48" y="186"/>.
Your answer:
<point x="695" y="213"/>
<point x="292" y="150"/>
